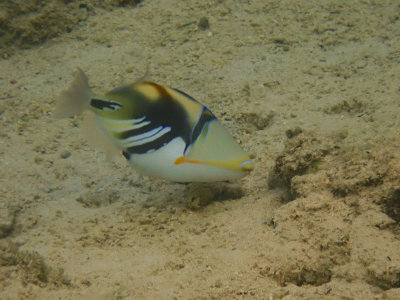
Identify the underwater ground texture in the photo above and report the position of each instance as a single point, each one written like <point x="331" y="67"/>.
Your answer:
<point x="309" y="88"/>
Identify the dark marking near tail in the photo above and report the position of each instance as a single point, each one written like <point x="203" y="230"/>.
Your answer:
<point x="126" y="154"/>
<point x="105" y="104"/>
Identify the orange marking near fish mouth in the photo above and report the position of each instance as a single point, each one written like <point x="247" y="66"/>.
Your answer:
<point x="182" y="160"/>
<point x="233" y="165"/>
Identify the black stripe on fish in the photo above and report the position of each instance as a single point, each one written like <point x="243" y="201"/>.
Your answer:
<point x="103" y="104"/>
<point x="184" y="94"/>
<point x="165" y="112"/>
<point x="205" y="118"/>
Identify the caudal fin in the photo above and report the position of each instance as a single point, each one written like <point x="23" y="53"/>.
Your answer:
<point x="75" y="99"/>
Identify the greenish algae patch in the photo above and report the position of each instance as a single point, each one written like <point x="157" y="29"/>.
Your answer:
<point x="29" y="266"/>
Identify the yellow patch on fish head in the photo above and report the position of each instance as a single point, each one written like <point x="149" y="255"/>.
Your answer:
<point x="150" y="90"/>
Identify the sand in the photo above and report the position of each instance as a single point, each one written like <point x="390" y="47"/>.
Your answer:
<point x="309" y="88"/>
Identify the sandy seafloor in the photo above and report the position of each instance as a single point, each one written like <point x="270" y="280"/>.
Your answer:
<point x="309" y="88"/>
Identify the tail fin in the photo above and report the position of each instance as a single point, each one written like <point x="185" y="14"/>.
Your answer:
<point x="76" y="99"/>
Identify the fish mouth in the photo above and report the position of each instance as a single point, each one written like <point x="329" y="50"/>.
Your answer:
<point x="247" y="165"/>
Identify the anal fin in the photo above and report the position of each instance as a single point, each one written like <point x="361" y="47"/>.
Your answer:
<point x="98" y="138"/>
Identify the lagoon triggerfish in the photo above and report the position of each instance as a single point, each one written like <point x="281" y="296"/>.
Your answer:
<point x="163" y="132"/>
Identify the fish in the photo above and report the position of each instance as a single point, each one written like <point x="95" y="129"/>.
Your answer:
<point x="162" y="132"/>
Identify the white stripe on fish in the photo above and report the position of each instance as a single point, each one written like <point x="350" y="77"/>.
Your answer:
<point x="146" y="137"/>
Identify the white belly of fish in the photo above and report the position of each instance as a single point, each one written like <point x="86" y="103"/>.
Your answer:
<point x="161" y="164"/>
